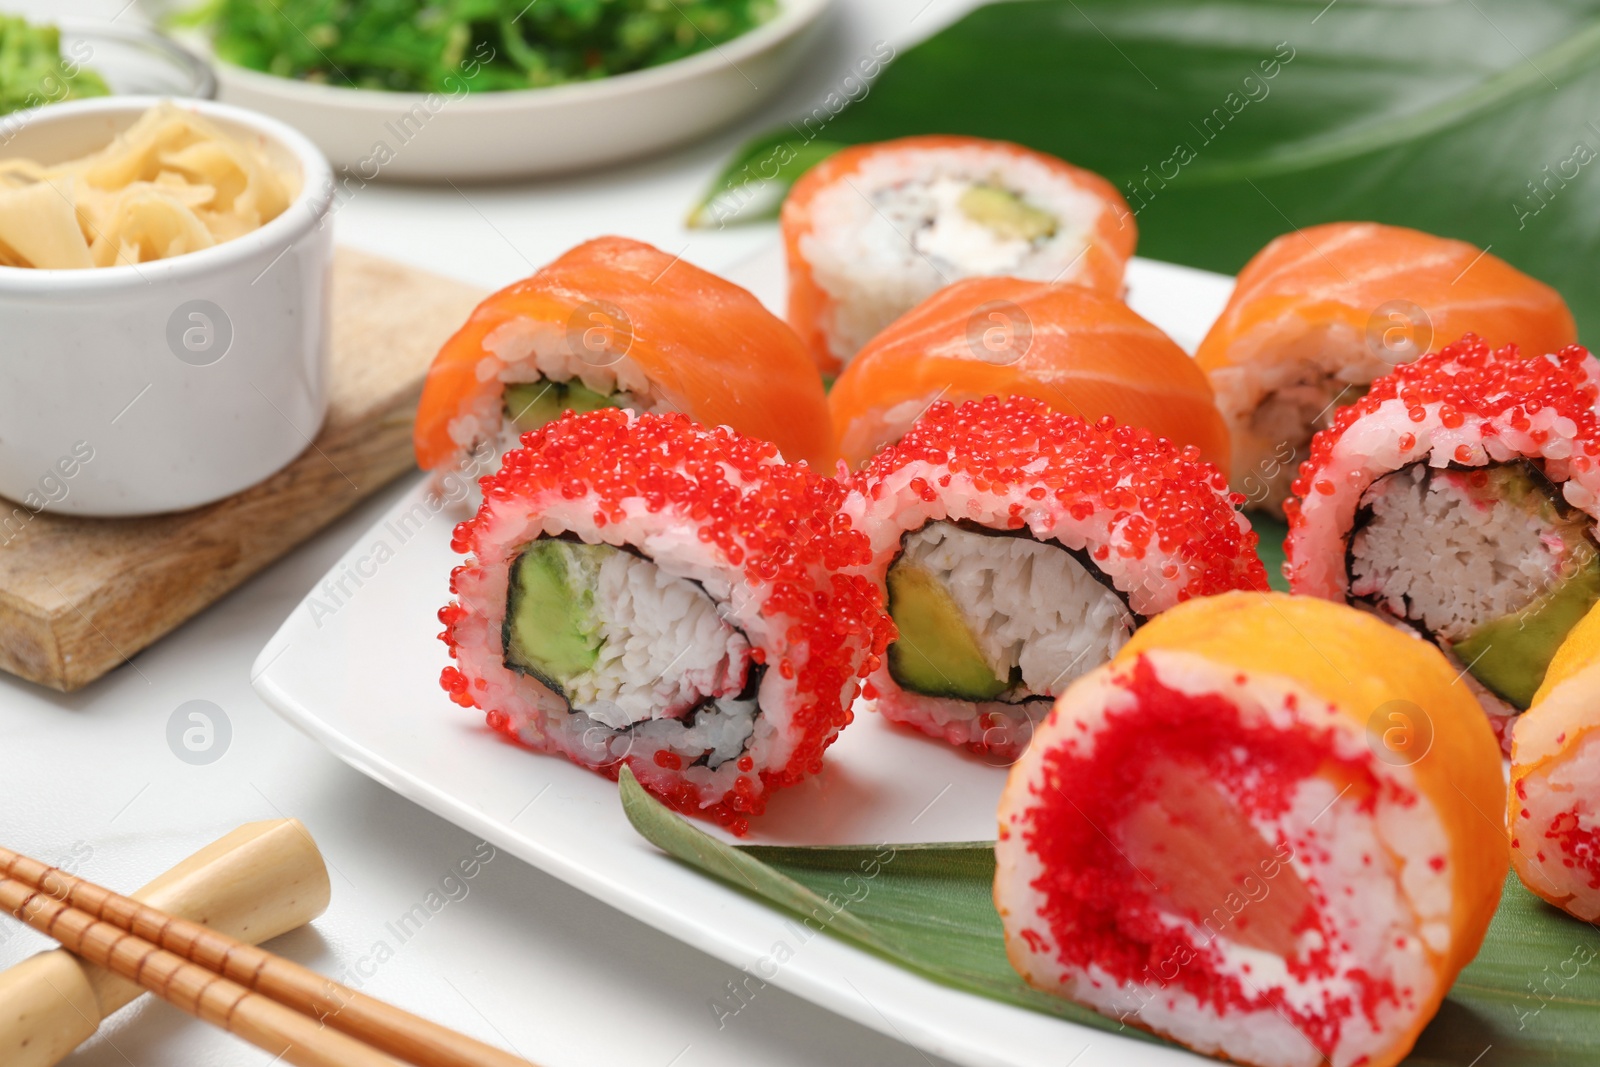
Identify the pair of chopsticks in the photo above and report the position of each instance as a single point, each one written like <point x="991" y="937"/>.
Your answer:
<point x="273" y="1003"/>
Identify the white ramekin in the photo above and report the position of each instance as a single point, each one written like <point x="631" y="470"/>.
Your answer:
<point x="132" y="390"/>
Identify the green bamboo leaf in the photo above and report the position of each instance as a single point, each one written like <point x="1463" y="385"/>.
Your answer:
<point x="1273" y="532"/>
<point x="924" y="907"/>
<point x="1228" y="122"/>
<point x="1532" y="996"/>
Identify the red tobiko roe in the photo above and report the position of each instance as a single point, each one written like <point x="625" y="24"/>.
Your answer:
<point x="1469" y="380"/>
<point x="1158" y="492"/>
<point x="779" y="522"/>
<point x="1098" y="905"/>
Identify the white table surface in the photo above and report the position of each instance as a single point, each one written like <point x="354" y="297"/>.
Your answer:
<point x="522" y="960"/>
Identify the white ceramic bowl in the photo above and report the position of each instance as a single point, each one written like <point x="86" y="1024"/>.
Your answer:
<point x="369" y="134"/>
<point x="132" y="390"/>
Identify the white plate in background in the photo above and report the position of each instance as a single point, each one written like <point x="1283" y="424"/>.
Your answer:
<point x="356" y="667"/>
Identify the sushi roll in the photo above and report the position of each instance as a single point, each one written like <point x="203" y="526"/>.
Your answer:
<point x="874" y="230"/>
<point x="1555" y="779"/>
<point x="1458" y="497"/>
<point x="640" y="590"/>
<point x="1260" y="832"/>
<point x="1081" y="351"/>
<point x="1020" y="548"/>
<point x="1319" y="313"/>
<point x="615" y="323"/>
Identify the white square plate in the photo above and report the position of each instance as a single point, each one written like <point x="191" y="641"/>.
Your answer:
<point x="357" y="668"/>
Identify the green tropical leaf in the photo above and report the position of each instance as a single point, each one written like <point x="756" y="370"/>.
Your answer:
<point x="1531" y="998"/>
<point x="1273" y="533"/>
<point x="1228" y="122"/>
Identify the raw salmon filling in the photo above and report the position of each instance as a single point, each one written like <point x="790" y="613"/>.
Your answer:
<point x="1228" y="867"/>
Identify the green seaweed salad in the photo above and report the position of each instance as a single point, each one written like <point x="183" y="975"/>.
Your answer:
<point x="479" y="45"/>
<point x="33" y="70"/>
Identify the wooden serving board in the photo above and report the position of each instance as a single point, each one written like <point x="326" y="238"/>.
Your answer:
<point x="79" y="596"/>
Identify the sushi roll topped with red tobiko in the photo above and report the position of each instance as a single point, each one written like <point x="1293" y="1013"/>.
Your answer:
<point x="1019" y="548"/>
<point x="642" y="590"/>
<point x="1459" y="497"/>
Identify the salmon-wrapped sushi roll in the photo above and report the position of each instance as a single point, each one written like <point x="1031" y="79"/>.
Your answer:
<point x="1081" y="351"/>
<point x="617" y="323"/>
<point x="1319" y="313"/>
<point x="642" y="590"/>
<point x="1259" y="831"/>
<point x="1459" y="497"/>
<point x="1555" y="779"/>
<point x="1019" y="548"/>
<point x="874" y="230"/>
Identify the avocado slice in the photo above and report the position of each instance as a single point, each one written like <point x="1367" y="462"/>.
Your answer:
<point x="1006" y="214"/>
<point x="551" y="630"/>
<point x="1509" y="655"/>
<point x="936" y="652"/>
<point x="532" y="404"/>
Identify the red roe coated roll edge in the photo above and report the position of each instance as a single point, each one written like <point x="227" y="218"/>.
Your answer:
<point x="778" y="523"/>
<point x="1156" y="496"/>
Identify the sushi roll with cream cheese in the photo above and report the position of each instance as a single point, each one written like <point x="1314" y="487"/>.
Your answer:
<point x="875" y="229"/>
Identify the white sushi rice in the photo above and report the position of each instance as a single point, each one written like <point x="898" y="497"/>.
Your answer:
<point x="1030" y="605"/>
<point x="889" y="236"/>
<point x="528" y="350"/>
<point x="1451" y="558"/>
<point x="1381" y="876"/>
<point x="663" y="648"/>
<point x="1371" y="448"/>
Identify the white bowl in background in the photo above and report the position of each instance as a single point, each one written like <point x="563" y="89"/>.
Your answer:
<point x="132" y="390"/>
<point x="519" y="133"/>
<point x="136" y="61"/>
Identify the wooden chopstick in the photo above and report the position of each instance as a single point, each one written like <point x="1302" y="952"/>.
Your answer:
<point x="285" y="1033"/>
<point x="45" y="898"/>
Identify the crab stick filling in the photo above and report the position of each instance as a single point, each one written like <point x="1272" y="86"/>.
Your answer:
<point x="1223" y="859"/>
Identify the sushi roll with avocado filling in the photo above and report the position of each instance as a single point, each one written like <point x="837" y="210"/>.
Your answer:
<point x="876" y="229"/>
<point x="615" y="323"/>
<point x="1490" y="561"/>
<point x="642" y="591"/>
<point x="1019" y="549"/>
<point x="1458" y="499"/>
